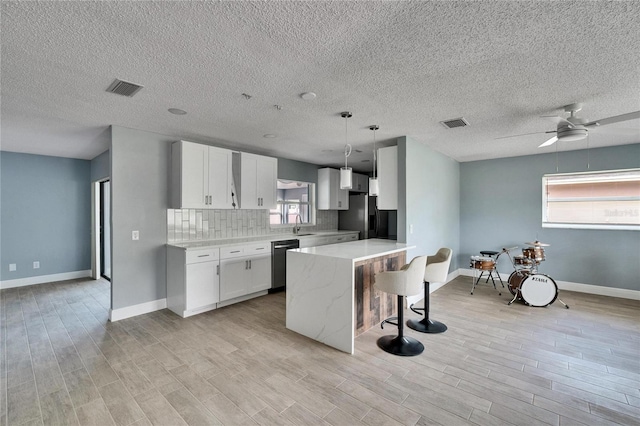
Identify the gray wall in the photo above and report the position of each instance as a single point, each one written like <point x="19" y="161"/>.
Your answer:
<point x="101" y="166"/>
<point x="140" y="164"/>
<point x="501" y="206"/>
<point x="429" y="199"/>
<point x="45" y="215"/>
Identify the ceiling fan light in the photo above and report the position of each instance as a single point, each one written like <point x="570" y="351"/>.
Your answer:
<point x="574" y="134"/>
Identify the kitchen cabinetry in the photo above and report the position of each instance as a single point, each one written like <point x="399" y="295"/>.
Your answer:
<point x="388" y="178"/>
<point x="201" y="176"/>
<point x="256" y="180"/>
<point x="360" y="183"/>
<point x="193" y="284"/>
<point x="244" y="269"/>
<point x="330" y="196"/>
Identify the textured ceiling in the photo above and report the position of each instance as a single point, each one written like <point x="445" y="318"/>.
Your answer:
<point x="402" y="65"/>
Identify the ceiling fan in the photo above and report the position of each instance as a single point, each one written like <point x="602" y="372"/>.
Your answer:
<point x="574" y="128"/>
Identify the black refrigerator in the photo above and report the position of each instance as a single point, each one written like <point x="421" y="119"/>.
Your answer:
<point x="364" y="216"/>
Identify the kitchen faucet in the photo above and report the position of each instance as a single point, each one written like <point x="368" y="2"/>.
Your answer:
<point x="296" y="227"/>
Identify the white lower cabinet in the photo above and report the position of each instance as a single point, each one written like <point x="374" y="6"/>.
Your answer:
<point x="244" y="270"/>
<point x="193" y="282"/>
<point x="201" y="279"/>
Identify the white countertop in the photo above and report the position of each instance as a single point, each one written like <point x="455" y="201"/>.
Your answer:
<point x="243" y="240"/>
<point x="356" y="250"/>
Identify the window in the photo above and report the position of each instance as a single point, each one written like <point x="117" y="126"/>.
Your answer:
<point x="594" y="200"/>
<point x="293" y="199"/>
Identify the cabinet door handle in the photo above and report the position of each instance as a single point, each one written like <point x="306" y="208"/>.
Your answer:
<point x="235" y="251"/>
<point x="217" y="269"/>
<point x="203" y="255"/>
<point x="249" y="264"/>
<point x="339" y="203"/>
<point x="260" y="248"/>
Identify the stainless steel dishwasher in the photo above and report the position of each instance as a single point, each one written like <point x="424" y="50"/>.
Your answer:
<point x="279" y="263"/>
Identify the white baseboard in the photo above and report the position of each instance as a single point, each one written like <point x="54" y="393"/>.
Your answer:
<point x="42" y="279"/>
<point x="578" y="287"/>
<point x="140" y="309"/>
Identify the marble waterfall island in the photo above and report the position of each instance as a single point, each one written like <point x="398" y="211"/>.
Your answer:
<point x="330" y="294"/>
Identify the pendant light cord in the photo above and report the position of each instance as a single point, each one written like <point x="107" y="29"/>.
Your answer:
<point x="375" y="159"/>
<point x="347" y="146"/>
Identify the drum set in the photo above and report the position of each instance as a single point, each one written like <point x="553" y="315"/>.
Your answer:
<point x="525" y="283"/>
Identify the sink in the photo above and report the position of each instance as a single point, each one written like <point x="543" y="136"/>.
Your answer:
<point x="302" y="235"/>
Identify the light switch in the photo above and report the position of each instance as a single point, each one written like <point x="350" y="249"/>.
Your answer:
<point x="135" y="235"/>
<point x="36" y="265"/>
<point x="411" y="229"/>
<point x="12" y="267"/>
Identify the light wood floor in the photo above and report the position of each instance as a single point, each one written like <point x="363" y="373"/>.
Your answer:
<point x="64" y="363"/>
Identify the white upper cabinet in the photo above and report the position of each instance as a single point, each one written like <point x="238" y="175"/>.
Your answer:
<point x="330" y="196"/>
<point x="388" y="178"/>
<point x="201" y="176"/>
<point x="256" y="180"/>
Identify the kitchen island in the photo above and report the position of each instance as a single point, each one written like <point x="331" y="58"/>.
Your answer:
<point x="330" y="294"/>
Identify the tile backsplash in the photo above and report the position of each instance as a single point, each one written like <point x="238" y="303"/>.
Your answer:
<point x="196" y="224"/>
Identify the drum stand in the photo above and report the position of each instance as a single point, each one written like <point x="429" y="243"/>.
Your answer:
<point x="475" y="283"/>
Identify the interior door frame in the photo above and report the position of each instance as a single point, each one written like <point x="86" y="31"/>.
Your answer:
<point x="96" y="246"/>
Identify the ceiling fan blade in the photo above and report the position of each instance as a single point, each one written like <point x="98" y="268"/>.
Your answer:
<point x="549" y="142"/>
<point x="616" y="119"/>
<point x="524" y="134"/>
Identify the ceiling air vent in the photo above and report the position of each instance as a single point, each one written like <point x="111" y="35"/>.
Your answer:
<point x="456" y="122"/>
<point x="123" y="88"/>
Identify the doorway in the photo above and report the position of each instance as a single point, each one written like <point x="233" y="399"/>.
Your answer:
<point x="105" y="229"/>
<point x="101" y="229"/>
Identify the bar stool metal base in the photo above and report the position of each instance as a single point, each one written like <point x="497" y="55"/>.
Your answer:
<point x="427" y="326"/>
<point x="400" y="345"/>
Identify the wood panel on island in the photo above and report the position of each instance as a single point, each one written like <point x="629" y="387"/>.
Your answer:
<point x="371" y="305"/>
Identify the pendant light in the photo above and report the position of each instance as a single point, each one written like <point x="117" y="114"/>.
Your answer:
<point x="345" y="172"/>
<point x="373" y="181"/>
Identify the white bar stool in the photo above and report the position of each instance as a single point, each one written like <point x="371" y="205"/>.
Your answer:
<point x="405" y="282"/>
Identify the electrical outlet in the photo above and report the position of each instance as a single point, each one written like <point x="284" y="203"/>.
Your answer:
<point x="12" y="267"/>
<point x="135" y="235"/>
<point x="36" y="265"/>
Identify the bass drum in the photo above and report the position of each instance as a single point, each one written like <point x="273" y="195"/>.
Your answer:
<point x="539" y="290"/>
<point x="515" y="280"/>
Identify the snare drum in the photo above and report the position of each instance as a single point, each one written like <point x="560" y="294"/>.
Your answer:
<point x="537" y="290"/>
<point x="534" y="253"/>
<point x="522" y="261"/>
<point x="482" y="263"/>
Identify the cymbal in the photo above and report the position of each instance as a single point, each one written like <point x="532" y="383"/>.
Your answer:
<point x="538" y="243"/>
